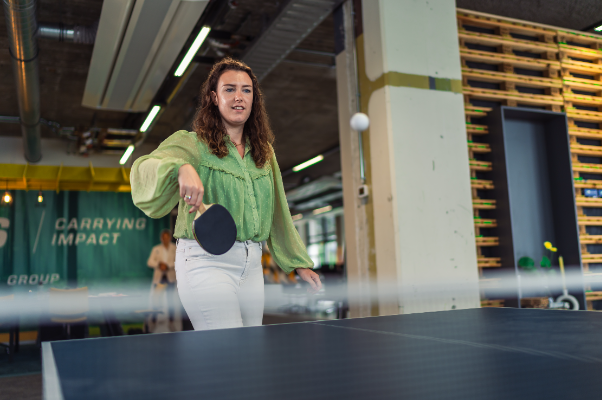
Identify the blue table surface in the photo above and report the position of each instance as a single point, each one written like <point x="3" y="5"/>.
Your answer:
<point x="463" y="354"/>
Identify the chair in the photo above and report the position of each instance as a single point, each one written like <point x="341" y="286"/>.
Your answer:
<point x="68" y="307"/>
<point x="6" y="309"/>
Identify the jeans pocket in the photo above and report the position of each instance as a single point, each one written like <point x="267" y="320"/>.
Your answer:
<point x="196" y="252"/>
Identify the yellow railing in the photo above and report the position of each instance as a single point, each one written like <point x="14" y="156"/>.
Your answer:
<point x="55" y="177"/>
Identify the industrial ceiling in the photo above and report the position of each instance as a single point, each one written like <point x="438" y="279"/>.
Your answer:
<point x="300" y="91"/>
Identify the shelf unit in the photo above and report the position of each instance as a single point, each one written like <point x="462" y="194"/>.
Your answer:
<point x="522" y="64"/>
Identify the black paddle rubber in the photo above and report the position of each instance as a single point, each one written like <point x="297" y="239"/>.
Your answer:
<point x="215" y="230"/>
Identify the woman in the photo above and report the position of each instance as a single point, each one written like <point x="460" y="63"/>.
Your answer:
<point x="228" y="160"/>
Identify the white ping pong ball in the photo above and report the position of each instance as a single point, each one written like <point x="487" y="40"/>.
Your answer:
<point x="359" y="122"/>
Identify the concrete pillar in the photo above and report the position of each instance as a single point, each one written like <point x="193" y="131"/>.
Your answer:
<point x="417" y="221"/>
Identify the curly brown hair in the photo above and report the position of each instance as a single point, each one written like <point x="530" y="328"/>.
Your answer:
<point x="208" y="123"/>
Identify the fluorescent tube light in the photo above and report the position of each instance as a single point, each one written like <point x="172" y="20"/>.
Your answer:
<point x="322" y="210"/>
<point x="598" y="28"/>
<point x="308" y="163"/>
<point x="127" y="154"/>
<point x="149" y="119"/>
<point x="196" y="45"/>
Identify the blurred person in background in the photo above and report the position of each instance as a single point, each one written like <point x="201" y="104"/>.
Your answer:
<point x="227" y="160"/>
<point x="162" y="259"/>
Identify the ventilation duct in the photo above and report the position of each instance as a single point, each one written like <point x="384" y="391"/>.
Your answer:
<point x="294" y="22"/>
<point x="136" y="45"/>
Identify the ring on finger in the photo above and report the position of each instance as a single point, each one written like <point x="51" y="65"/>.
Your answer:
<point x="187" y="197"/>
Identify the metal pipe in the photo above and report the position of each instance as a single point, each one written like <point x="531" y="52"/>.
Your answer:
<point x="21" y="26"/>
<point x="9" y="120"/>
<point x="53" y="126"/>
<point x="58" y="32"/>
<point x="64" y="33"/>
<point x="350" y="31"/>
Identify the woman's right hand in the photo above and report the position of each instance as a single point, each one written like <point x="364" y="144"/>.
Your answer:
<point x="191" y="187"/>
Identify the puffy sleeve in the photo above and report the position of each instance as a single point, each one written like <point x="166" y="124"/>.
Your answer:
<point x="284" y="241"/>
<point x="154" y="177"/>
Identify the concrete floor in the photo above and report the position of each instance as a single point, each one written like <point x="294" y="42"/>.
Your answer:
<point x="24" y="387"/>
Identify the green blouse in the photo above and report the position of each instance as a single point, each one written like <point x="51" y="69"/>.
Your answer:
<point x="254" y="196"/>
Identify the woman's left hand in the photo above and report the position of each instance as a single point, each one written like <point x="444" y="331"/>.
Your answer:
<point x="310" y="277"/>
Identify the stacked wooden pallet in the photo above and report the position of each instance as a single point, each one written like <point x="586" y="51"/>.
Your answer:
<point x="581" y="62"/>
<point x="474" y="130"/>
<point x="508" y="62"/>
<point x="492" y="303"/>
<point x="517" y="63"/>
<point x="580" y="57"/>
<point x="590" y="297"/>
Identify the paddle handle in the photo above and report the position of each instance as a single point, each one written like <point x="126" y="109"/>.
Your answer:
<point x="204" y="207"/>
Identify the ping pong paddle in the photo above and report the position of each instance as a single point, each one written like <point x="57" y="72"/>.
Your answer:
<point x="214" y="229"/>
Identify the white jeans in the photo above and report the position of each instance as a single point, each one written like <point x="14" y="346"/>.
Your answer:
<point x="220" y="291"/>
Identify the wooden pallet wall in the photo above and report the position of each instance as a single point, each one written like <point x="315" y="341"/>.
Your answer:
<point x="522" y="64"/>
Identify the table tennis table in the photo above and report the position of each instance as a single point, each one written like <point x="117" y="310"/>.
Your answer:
<point x="461" y="354"/>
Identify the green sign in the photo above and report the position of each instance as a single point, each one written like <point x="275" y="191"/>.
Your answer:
<point x="75" y="238"/>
